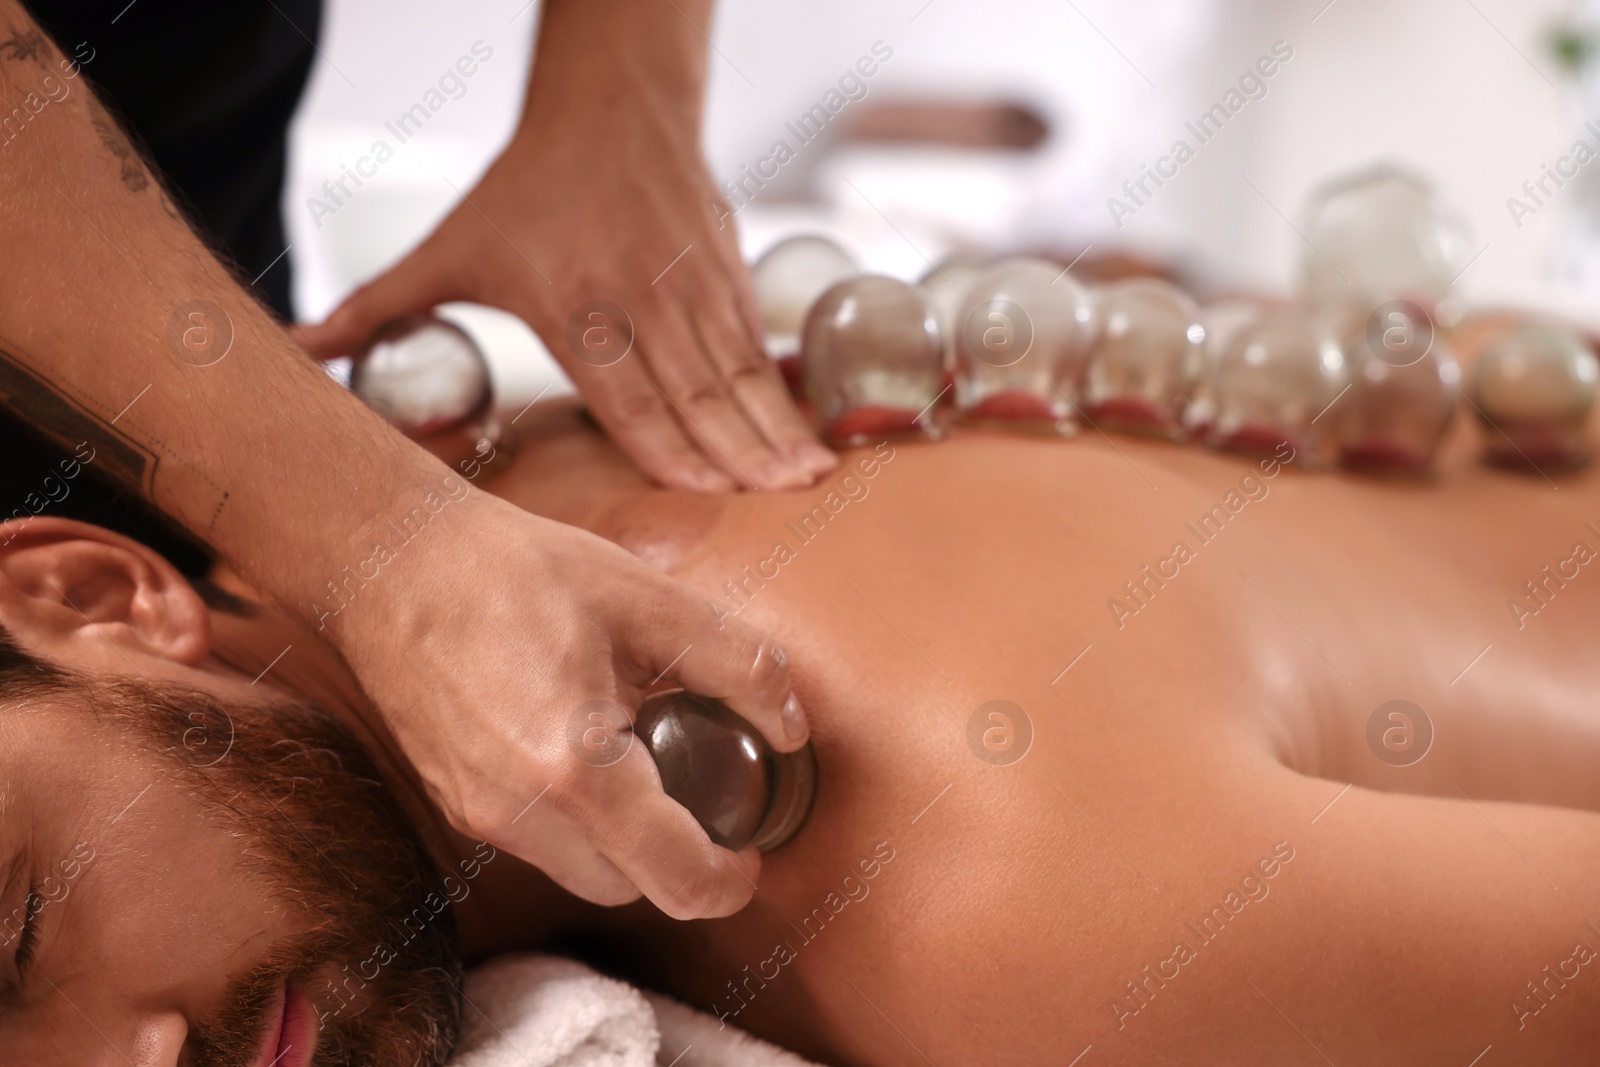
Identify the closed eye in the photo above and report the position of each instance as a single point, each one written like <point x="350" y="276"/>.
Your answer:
<point x="28" y="942"/>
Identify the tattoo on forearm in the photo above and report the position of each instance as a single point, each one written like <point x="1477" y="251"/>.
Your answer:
<point x="133" y="172"/>
<point x="30" y="43"/>
<point x="128" y="460"/>
<point x="68" y="422"/>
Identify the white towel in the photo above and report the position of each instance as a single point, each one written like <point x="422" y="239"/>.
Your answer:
<point x="544" y="1011"/>
<point x="698" y="1040"/>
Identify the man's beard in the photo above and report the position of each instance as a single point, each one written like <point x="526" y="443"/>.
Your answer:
<point x="382" y="962"/>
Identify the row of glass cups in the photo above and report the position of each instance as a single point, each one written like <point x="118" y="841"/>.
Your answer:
<point x="1022" y="345"/>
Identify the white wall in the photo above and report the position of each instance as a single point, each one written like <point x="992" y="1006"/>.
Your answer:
<point x="1454" y="88"/>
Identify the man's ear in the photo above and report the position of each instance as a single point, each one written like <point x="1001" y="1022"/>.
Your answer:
<point x="61" y="580"/>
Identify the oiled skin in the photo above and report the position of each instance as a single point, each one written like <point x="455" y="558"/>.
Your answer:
<point x="1187" y="744"/>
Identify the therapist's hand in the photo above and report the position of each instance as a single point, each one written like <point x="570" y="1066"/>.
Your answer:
<point x="491" y="660"/>
<point x="600" y="226"/>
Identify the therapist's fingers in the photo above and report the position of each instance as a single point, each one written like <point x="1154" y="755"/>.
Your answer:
<point x="635" y="413"/>
<point x="728" y="661"/>
<point x="756" y="386"/>
<point x="744" y="296"/>
<point x="413" y="286"/>
<point x="559" y="845"/>
<point x="726" y="242"/>
<point x="704" y="402"/>
<point x="656" y="843"/>
<point x="718" y="290"/>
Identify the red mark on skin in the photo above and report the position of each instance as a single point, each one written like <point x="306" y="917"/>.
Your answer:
<point x="1134" y="413"/>
<point x="1383" y="454"/>
<point x="1014" y="405"/>
<point x="1261" y="440"/>
<point x="1543" y="444"/>
<point x="874" y="421"/>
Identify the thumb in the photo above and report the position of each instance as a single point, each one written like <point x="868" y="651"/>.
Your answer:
<point x="413" y="285"/>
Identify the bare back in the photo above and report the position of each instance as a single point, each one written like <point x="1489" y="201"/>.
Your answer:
<point x="1152" y="850"/>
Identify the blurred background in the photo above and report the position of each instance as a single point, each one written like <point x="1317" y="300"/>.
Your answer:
<point x="1009" y="125"/>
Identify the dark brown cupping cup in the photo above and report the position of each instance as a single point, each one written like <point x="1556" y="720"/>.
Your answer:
<point x="723" y="771"/>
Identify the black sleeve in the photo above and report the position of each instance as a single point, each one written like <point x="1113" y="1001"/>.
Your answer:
<point x="208" y="87"/>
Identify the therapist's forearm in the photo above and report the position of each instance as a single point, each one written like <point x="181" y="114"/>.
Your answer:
<point x="600" y="57"/>
<point x="111" y="313"/>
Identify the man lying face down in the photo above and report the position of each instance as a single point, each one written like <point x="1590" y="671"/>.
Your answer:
<point x="1193" y="842"/>
<point x="193" y="869"/>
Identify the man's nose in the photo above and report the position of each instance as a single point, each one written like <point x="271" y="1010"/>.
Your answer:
<point x="158" y="1040"/>
<point x="92" y="1040"/>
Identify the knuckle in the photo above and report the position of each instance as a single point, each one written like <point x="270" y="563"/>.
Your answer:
<point x="662" y="302"/>
<point x="744" y="368"/>
<point x="481" y="817"/>
<point x="638" y="406"/>
<point x="570" y="789"/>
<point x="702" y="396"/>
<point x="662" y="614"/>
<point x="769" y="671"/>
